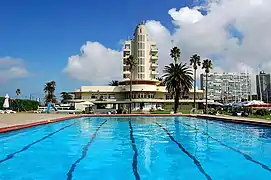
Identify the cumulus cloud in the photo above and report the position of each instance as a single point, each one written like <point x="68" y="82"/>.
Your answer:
<point x="186" y="15"/>
<point x="12" y="68"/>
<point x="95" y="63"/>
<point x="233" y="33"/>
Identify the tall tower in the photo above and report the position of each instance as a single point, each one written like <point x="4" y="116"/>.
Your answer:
<point x="145" y="52"/>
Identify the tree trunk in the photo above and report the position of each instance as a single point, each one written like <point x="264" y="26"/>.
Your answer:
<point x="206" y="89"/>
<point x="195" y="88"/>
<point x="176" y="101"/>
<point x="130" y="107"/>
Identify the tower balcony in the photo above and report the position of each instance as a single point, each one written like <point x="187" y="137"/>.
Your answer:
<point x="154" y="73"/>
<point x="154" y="65"/>
<point x="126" y="49"/>
<point x="154" y="58"/>
<point x="154" y="49"/>
<point x="126" y="72"/>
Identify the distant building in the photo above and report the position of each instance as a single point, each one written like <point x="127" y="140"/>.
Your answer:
<point x="227" y="87"/>
<point x="263" y="86"/>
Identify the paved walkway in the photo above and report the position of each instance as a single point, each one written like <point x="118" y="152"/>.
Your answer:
<point x="7" y="120"/>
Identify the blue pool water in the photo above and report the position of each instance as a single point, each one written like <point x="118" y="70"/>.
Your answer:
<point x="152" y="148"/>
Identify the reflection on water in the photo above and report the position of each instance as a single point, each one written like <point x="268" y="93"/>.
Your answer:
<point x="147" y="154"/>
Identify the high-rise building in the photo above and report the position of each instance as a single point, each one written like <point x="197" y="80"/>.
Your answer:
<point x="227" y="86"/>
<point x="263" y="86"/>
<point x="145" y="52"/>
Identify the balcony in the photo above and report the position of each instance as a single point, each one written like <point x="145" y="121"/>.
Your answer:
<point x="154" y="49"/>
<point x="126" y="56"/>
<point x="154" y="73"/>
<point x="126" y="49"/>
<point x="126" y="72"/>
<point x="154" y="58"/>
<point x="153" y="65"/>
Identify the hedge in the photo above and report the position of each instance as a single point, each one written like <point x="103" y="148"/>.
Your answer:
<point x="21" y="104"/>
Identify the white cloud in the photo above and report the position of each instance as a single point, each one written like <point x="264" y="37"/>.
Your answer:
<point x="186" y="15"/>
<point x="12" y="68"/>
<point x="96" y="64"/>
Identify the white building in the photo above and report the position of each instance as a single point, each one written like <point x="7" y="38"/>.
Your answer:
<point x="227" y="86"/>
<point x="145" y="86"/>
<point x="145" y="51"/>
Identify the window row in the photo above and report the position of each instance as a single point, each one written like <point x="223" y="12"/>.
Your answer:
<point x="141" y="76"/>
<point x="103" y="96"/>
<point x="141" y="69"/>
<point x="142" y="96"/>
<point x="140" y="61"/>
<point x="141" y="53"/>
<point x="141" y="45"/>
<point x="141" y="38"/>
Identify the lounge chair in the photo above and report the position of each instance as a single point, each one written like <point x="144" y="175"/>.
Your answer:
<point x="10" y="111"/>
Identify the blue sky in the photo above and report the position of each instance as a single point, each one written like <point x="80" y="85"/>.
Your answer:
<point x="45" y="33"/>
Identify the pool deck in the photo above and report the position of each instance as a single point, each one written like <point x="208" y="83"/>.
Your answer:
<point x="11" y="122"/>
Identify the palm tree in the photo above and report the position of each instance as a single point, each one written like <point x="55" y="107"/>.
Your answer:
<point x="175" y="53"/>
<point x="18" y="92"/>
<point x="113" y="83"/>
<point x="195" y="62"/>
<point x="65" y="97"/>
<point x="131" y="62"/>
<point x="207" y="66"/>
<point x="49" y="89"/>
<point x="178" y="78"/>
<point x="161" y="81"/>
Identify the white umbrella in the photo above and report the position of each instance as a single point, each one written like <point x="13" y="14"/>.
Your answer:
<point x="6" y="102"/>
<point x="87" y="103"/>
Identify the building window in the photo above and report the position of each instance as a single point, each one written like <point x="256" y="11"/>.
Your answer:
<point x="169" y="96"/>
<point x="103" y="96"/>
<point x="140" y="30"/>
<point x="140" y="68"/>
<point x="143" y="37"/>
<point x="111" y="96"/>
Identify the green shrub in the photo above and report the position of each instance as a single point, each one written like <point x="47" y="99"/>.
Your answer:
<point x="262" y="112"/>
<point x="20" y="104"/>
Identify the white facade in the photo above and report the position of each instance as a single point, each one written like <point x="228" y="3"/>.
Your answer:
<point x="227" y="86"/>
<point x="145" y="52"/>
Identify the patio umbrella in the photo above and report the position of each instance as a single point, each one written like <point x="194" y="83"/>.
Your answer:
<point x="6" y="102"/>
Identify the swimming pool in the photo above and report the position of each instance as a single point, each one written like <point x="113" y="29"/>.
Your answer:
<point x="137" y="148"/>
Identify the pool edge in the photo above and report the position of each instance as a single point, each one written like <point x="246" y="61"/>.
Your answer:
<point x="210" y="117"/>
<point x="238" y="120"/>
